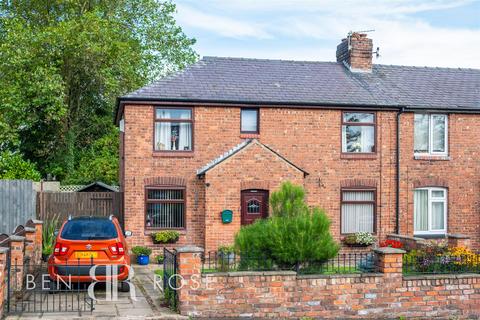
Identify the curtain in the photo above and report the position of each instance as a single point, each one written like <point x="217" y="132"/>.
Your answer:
<point x="420" y="203"/>
<point x="438" y="216"/>
<point x="185" y="142"/>
<point x="163" y="133"/>
<point x="368" y="137"/>
<point x="357" y="217"/>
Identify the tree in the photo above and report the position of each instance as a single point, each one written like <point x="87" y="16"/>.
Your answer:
<point x="62" y="65"/>
<point x="299" y="235"/>
<point x="13" y="166"/>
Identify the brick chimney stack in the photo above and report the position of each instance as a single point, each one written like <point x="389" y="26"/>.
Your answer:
<point x="355" y="51"/>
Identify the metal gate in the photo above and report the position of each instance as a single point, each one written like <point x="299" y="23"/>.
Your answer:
<point x="30" y="290"/>
<point x="170" y="279"/>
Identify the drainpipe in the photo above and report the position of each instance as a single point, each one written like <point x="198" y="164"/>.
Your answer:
<point x="397" y="195"/>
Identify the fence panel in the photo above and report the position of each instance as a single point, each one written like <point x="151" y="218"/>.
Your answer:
<point x="75" y="204"/>
<point x="17" y="203"/>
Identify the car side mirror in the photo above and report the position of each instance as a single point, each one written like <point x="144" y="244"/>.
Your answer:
<point x="55" y="233"/>
<point x="128" y="234"/>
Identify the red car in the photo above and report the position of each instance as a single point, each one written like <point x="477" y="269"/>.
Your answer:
<point x="84" y="242"/>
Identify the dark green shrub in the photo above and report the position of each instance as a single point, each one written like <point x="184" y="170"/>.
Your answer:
<point x="141" y="251"/>
<point x="291" y="237"/>
<point x="167" y="236"/>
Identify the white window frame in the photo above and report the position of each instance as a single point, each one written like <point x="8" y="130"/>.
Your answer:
<point x="430" y="136"/>
<point x="429" y="214"/>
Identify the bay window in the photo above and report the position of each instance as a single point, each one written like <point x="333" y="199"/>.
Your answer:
<point x="430" y="211"/>
<point x="358" y="132"/>
<point x="430" y="133"/>
<point x="173" y="129"/>
<point x="358" y="211"/>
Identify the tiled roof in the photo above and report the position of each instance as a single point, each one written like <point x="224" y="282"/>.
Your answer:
<point x="237" y="149"/>
<point x="239" y="80"/>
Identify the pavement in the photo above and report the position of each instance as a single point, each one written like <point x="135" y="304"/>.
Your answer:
<point x="146" y="302"/>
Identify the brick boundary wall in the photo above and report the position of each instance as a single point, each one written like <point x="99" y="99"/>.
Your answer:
<point x="20" y="249"/>
<point x="273" y="294"/>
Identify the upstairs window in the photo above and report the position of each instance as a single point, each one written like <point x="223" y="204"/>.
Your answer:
<point x="249" y="122"/>
<point x="358" y="211"/>
<point x="430" y="211"/>
<point x="358" y="132"/>
<point x="430" y="134"/>
<point x="173" y="129"/>
<point x="165" y="208"/>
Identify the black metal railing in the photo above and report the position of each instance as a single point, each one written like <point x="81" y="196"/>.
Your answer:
<point x="347" y="263"/>
<point x="31" y="288"/>
<point x="441" y="264"/>
<point x="170" y="279"/>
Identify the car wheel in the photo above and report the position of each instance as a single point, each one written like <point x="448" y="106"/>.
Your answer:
<point x="124" y="287"/>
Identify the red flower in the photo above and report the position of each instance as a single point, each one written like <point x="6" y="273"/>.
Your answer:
<point x="391" y="243"/>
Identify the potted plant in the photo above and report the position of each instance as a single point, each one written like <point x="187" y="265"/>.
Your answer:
<point x="143" y="254"/>
<point x="159" y="258"/>
<point x="48" y="236"/>
<point x="167" y="236"/>
<point x="359" y="239"/>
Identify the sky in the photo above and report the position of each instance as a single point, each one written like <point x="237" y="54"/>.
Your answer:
<point x="436" y="33"/>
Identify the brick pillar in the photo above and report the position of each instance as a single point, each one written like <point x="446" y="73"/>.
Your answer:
<point x="17" y="247"/>
<point x="37" y="241"/>
<point x="3" y="278"/>
<point x="458" y="240"/>
<point x="189" y="264"/>
<point x="390" y="261"/>
<point x="30" y="244"/>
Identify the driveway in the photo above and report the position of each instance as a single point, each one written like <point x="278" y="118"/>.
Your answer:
<point x="149" y="303"/>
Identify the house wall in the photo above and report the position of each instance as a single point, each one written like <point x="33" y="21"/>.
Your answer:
<point x="311" y="139"/>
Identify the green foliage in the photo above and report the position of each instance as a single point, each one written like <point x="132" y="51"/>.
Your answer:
<point x="48" y="234"/>
<point x="289" y="200"/>
<point x="159" y="258"/>
<point x="62" y="65"/>
<point x="98" y="163"/>
<point x="167" y="236"/>
<point x="141" y="251"/>
<point x="290" y="237"/>
<point x="360" y="238"/>
<point x="13" y="166"/>
<point x="226" y="249"/>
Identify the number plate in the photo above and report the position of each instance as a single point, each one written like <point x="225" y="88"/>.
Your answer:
<point x="86" y="255"/>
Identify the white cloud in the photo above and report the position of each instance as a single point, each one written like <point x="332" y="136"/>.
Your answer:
<point x="225" y="26"/>
<point x="402" y="38"/>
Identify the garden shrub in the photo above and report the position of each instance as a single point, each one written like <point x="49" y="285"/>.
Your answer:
<point x="295" y="236"/>
<point x="167" y="236"/>
<point x="141" y="251"/>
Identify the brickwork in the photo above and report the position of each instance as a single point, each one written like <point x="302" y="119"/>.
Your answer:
<point x="287" y="295"/>
<point x="3" y="277"/>
<point x="311" y="139"/>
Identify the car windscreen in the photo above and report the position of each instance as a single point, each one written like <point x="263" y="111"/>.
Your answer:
<point x="89" y="229"/>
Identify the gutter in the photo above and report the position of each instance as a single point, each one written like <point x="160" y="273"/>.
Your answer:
<point x="397" y="193"/>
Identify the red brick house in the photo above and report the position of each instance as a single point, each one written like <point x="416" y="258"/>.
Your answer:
<point x="384" y="149"/>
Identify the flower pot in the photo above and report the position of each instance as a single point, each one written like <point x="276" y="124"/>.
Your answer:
<point x="45" y="257"/>
<point x="143" y="260"/>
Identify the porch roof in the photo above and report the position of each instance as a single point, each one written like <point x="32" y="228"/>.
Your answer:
<point x="237" y="149"/>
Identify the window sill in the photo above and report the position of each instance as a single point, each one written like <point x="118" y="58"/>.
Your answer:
<point x="430" y="157"/>
<point x="249" y="135"/>
<point x="173" y="154"/>
<point x="358" y="156"/>
<point x="431" y="236"/>
<point x="149" y="232"/>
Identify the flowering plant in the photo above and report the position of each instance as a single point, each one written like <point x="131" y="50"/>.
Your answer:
<point x="361" y="238"/>
<point x="391" y="243"/>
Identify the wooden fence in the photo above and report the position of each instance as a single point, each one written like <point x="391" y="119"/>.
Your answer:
<point x="75" y="204"/>
<point x="17" y="204"/>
